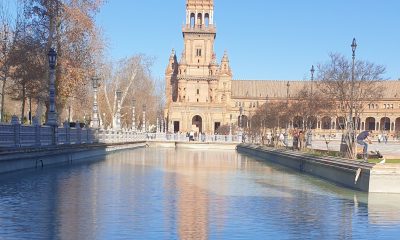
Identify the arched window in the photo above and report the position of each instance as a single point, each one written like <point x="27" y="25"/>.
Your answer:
<point x="192" y="20"/>
<point x="199" y="19"/>
<point x="207" y="20"/>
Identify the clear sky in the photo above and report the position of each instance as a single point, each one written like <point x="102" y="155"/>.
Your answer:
<point x="265" y="39"/>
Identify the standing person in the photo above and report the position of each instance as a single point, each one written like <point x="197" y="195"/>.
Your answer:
<point x="281" y="139"/>
<point x="364" y="138"/>
<point x="302" y="139"/>
<point x="269" y="137"/>
<point x="295" y="139"/>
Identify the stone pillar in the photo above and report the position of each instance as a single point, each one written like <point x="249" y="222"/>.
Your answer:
<point x="78" y="133"/>
<point x="67" y="132"/>
<point x="17" y="129"/>
<point x="133" y="119"/>
<point x="37" y="126"/>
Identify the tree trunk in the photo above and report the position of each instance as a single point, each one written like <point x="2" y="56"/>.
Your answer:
<point x="2" y="101"/>
<point x="23" y="105"/>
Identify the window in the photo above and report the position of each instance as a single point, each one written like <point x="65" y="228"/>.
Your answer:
<point x="198" y="52"/>
<point x="207" y="19"/>
<point x="198" y="91"/>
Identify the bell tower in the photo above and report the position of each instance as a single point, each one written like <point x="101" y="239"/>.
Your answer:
<point x="198" y="88"/>
<point x="199" y="34"/>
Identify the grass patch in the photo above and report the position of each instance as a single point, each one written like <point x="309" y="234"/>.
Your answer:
<point x="374" y="160"/>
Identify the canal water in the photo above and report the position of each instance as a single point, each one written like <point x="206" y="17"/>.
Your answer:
<point x="187" y="194"/>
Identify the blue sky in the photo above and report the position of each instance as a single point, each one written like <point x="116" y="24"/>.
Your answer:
<point x="265" y="39"/>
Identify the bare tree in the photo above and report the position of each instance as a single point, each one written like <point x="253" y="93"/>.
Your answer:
<point x="351" y="95"/>
<point x="7" y="42"/>
<point x="133" y="77"/>
<point x="307" y="105"/>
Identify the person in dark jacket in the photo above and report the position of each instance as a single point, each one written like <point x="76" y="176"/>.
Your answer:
<point x="364" y="138"/>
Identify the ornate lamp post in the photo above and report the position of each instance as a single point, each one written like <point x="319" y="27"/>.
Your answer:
<point x="285" y="135"/>
<point x="157" y="126"/>
<point x="144" y="118"/>
<point x="133" y="115"/>
<point x="118" y="116"/>
<point x="240" y="135"/>
<point x="352" y="127"/>
<point x="346" y="145"/>
<point x="309" y="133"/>
<point x="95" y="121"/>
<point x="353" y="49"/>
<point x="240" y="117"/>
<point x="52" y="114"/>
<point x="230" y="126"/>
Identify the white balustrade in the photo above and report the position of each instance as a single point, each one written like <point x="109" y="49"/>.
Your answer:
<point x="18" y="135"/>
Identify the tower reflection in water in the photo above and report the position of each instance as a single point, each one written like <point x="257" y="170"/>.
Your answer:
<point x="190" y="194"/>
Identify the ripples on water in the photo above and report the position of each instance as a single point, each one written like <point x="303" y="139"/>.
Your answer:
<point x="187" y="194"/>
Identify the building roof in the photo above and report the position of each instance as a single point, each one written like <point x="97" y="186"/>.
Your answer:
<point x="278" y="88"/>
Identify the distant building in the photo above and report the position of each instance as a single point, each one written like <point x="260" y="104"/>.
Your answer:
<point x="201" y="95"/>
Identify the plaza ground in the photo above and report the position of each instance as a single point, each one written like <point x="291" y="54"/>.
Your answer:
<point x="390" y="150"/>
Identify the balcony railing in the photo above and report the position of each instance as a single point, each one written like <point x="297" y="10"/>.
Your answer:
<point x="199" y="28"/>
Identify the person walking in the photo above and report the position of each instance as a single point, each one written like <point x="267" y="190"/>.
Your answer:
<point x="364" y="138"/>
<point x="302" y="139"/>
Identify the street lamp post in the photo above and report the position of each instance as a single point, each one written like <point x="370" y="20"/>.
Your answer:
<point x="118" y="116"/>
<point x="95" y="121"/>
<point x="52" y="114"/>
<point x="353" y="48"/>
<point x="346" y="145"/>
<point x="352" y="127"/>
<point x="240" y="117"/>
<point x="158" y="126"/>
<point x="240" y="135"/>
<point x="144" y="118"/>
<point x="133" y="115"/>
<point x="285" y="135"/>
<point x="230" y="128"/>
<point x="309" y="134"/>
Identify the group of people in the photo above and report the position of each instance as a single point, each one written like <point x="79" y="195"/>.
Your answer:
<point x="299" y="139"/>
<point x="383" y="138"/>
<point x="276" y="139"/>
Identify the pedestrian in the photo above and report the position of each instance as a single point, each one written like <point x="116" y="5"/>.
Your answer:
<point x="364" y="138"/>
<point x="302" y="139"/>
<point x="281" y="139"/>
<point x="295" y="140"/>
<point x="269" y="137"/>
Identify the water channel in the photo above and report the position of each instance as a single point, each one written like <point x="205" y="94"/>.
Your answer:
<point x="187" y="194"/>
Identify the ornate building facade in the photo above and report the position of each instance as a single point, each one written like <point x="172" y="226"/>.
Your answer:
<point x="202" y="96"/>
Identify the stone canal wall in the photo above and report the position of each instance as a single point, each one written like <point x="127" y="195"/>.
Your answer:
<point x="367" y="177"/>
<point x="348" y="173"/>
<point x="41" y="157"/>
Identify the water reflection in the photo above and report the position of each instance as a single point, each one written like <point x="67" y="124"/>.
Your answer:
<point x="187" y="194"/>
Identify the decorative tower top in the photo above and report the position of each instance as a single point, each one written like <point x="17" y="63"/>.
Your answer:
<point x="200" y="4"/>
<point x="199" y="13"/>
<point x="225" y="66"/>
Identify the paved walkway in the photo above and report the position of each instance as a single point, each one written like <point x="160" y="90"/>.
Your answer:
<point x="391" y="150"/>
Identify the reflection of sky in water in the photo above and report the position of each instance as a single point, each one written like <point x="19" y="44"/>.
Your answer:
<point x="187" y="194"/>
